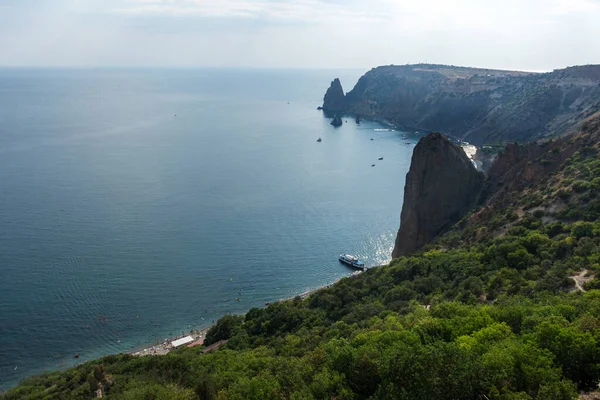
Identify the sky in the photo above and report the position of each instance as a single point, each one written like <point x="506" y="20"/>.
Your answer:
<point x="534" y="35"/>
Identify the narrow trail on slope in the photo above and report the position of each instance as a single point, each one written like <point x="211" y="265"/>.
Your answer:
<point x="581" y="279"/>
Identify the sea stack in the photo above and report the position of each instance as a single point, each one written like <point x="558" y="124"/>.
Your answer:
<point x="334" y="99"/>
<point x="442" y="185"/>
<point x="337" y="121"/>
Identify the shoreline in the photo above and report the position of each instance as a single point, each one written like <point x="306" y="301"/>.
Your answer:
<point x="164" y="347"/>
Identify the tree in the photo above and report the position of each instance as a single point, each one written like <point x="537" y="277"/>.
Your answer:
<point x="225" y="328"/>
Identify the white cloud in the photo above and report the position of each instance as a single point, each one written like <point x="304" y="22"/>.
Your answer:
<point x="401" y="15"/>
<point x="308" y="11"/>
<point x="520" y="34"/>
<point x="187" y="7"/>
<point x="565" y="7"/>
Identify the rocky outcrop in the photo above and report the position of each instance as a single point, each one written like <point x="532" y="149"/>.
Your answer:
<point x="442" y="185"/>
<point x="520" y="166"/>
<point x="481" y="106"/>
<point x="484" y="160"/>
<point x="510" y="157"/>
<point x="334" y="100"/>
<point x="101" y="381"/>
<point x="337" y="121"/>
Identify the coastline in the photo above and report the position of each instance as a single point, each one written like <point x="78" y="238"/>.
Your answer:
<point x="164" y="347"/>
<point x="177" y="278"/>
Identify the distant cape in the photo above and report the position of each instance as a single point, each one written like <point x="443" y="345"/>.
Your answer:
<point x="478" y="105"/>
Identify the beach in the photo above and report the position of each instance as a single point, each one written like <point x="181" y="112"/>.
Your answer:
<point x="165" y="346"/>
<point x="199" y="335"/>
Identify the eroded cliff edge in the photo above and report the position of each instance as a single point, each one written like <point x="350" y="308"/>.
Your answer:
<point x="442" y="185"/>
<point x="481" y="106"/>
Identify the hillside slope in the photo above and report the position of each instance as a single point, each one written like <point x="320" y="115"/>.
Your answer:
<point x="478" y="105"/>
<point x="488" y="310"/>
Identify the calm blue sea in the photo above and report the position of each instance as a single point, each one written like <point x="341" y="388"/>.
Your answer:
<point x="167" y="194"/>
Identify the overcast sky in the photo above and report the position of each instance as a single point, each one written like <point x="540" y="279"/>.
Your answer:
<point x="517" y="34"/>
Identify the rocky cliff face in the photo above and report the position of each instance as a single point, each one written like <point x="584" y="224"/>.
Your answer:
<point x="334" y="99"/>
<point x="442" y="185"/>
<point x="478" y="105"/>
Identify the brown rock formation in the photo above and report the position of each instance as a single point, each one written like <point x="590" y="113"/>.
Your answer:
<point x="442" y="185"/>
<point x="519" y="167"/>
<point x="512" y="155"/>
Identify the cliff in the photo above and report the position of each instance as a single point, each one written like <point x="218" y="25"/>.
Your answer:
<point x="441" y="186"/>
<point x="334" y="99"/>
<point x="478" y="105"/>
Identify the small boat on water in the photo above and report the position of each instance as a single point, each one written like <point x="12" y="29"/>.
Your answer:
<point x="352" y="261"/>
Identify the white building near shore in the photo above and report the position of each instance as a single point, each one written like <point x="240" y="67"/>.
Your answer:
<point x="180" y="342"/>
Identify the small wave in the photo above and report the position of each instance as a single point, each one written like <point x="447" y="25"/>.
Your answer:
<point x="383" y="130"/>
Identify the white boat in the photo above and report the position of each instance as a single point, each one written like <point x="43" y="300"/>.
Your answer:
<point x="352" y="261"/>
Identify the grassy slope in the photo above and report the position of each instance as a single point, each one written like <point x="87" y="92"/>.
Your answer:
<point x="489" y="309"/>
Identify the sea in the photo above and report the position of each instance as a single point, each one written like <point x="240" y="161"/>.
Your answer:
<point x="138" y="204"/>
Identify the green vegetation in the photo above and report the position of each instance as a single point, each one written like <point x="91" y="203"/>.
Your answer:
<point x="488" y="310"/>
